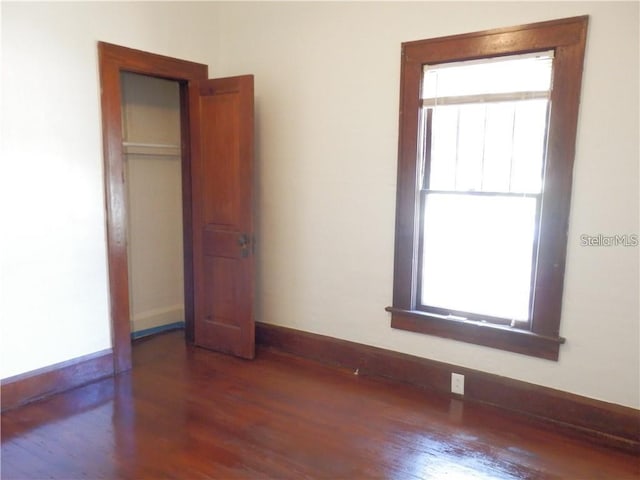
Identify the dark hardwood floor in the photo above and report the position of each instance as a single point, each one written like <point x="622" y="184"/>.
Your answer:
<point x="187" y="413"/>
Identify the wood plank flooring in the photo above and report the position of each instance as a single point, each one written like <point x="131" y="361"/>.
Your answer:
<point x="187" y="413"/>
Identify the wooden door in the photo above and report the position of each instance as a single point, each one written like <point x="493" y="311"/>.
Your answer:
<point x="221" y="123"/>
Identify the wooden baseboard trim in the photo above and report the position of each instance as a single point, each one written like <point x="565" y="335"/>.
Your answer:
<point x="604" y="423"/>
<point x="28" y="387"/>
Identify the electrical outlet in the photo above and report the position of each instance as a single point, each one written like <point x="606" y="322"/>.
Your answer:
<point x="457" y="383"/>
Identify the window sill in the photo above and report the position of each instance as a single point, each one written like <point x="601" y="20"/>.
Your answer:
<point x="489" y="335"/>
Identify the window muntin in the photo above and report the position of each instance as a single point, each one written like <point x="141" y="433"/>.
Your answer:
<point x="490" y="147"/>
<point x="566" y="38"/>
<point x="487" y="138"/>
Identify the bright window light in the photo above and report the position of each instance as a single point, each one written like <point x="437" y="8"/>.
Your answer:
<point x="477" y="254"/>
<point x="518" y="73"/>
<point x="484" y="150"/>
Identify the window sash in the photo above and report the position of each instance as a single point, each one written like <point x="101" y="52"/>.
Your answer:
<point x="509" y="74"/>
<point x="531" y="258"/>
<point x="424" y="152"/>
<point x="518" y="156"/>
<point x="567" y="39"/>
<point x="484" y="98"/>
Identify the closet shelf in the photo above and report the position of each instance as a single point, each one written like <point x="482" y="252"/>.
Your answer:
<point x="155" y="149"/>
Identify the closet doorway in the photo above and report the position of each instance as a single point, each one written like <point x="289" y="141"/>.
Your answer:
<point x="153" y="180"/>
<point x="216" y="164"/>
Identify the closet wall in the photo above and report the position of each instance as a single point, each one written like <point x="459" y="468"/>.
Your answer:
<point x="151" y="133"/>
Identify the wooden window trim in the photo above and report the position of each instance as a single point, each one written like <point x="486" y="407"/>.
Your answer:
<point x="567" y="37"/>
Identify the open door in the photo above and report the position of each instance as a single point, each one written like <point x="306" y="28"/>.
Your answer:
<point x="221" y="124"/>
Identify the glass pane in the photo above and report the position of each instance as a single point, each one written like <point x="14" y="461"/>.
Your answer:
<point x="470" y="147"/>
<point x="519" y="73"/>
<point x="477" y="254"/>
<point x="498" y="147"/>
<point x="491" y="147"/>
<point x="528" y="146"/>
<point x="443" y="148"/>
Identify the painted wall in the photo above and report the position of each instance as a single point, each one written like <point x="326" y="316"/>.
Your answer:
<point x="151" y="117"/>
<point x="54" y="290"/>
<point x="327" y="112"/>
<point x="327" y="79"/>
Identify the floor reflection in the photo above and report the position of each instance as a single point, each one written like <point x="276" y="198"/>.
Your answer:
<point x="65" y="433"/>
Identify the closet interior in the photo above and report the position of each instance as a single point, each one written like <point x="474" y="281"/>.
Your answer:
<point x="151" y="134"/>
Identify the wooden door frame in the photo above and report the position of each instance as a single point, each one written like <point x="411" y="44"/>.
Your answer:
<point x="113" y="60"/>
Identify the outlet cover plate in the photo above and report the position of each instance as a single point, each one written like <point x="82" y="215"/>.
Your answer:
<point x="457" y="383"/>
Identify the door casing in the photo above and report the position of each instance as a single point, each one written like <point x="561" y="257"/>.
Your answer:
<point x="113" y="60"/>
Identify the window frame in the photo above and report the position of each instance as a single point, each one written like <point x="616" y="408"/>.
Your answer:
<point x="567" y="37"/>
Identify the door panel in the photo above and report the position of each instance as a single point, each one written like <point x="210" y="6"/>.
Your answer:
<point x="221" y="115"/>
<point x="222" y="282"/>
<point x="221" y="130"/>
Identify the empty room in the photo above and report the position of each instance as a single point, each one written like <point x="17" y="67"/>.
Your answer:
<point x="334" y="240"/>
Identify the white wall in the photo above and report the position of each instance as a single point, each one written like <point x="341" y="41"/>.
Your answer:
<point x="54" y="291"/>
<point x="151" y="116"/>
<point x="327" y="112"/>
<point x="327" y="79"/>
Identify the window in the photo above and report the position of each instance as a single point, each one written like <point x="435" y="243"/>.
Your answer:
<point x="480" y="185"/>
<point x="486" y="146"/>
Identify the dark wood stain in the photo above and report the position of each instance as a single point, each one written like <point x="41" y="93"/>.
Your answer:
<point x="184" y="412"/>
<point x="27" y="387"/>
<point x="567" y="37"/>
<point x="113" y="60"/>
<point x="597" y="421"/>
<point x="222" y="158"/>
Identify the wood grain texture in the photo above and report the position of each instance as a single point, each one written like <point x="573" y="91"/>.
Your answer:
<point x="24" y="388"/>
<point x="189" y="413"/>
<point x="600" y="422"/>
<point x="113" y="60"/>
<point x="567" y="37"/>
<point x="490" y="335"/>
<point x="222" y="181"/>
<point x="500" y="41"/>
<point x="185" y="412"/>
<point x="187" y="212"/>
